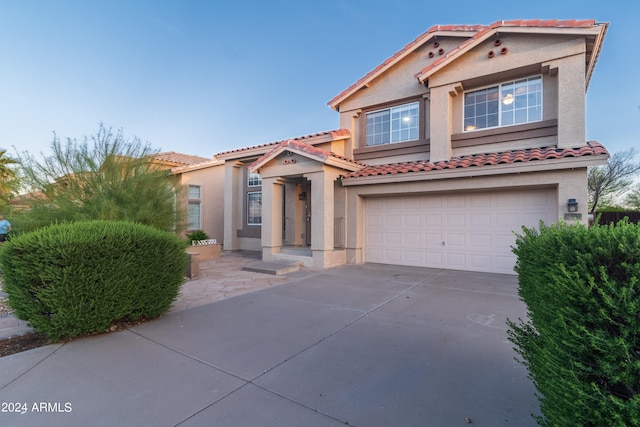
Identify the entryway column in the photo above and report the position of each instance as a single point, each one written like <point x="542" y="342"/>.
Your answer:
<point x="322" y="217"/>
<point x="322" y="211"/>
<point x="272" y="198"/>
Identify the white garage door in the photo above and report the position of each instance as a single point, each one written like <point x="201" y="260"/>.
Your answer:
<point x="470" y="231"/>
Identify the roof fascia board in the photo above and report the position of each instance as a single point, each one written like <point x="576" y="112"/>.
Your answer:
<point x="597" y="47"/>
<point x="190" y="168"/>
<point x="546" y="165"/>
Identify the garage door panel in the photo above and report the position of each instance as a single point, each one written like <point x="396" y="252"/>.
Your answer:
<point x="394" y="256"/>
<point x="508" y="219"/>
<point x="432" y="202"/>
<point x="413" y="257"/>
<point x="506" y="200"/>
<point x="479" y="261"/>
<point x="393" y="220"/>
<point x="455" y="240"/>
<point x="457" y="201"/>
<point x="535" y="199"/>
<point x="393" y="238"/>
<point x="480" y="241"/>
<point x="456" y="260"/>
<point x="456" y="220"/>
<point x="471" y="231"/>
<point x="433" y="220"/>
<point x="434" y="259"/>
<point x="412" y="220"/>
<point x="433" y="239"/>
<point x="478" y="201"/>
<point x="480" y="220"/>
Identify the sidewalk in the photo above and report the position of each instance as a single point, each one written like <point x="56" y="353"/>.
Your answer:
<point x="218" y="279"/>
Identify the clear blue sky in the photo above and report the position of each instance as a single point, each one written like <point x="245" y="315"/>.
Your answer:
<point x="201" y="77"/>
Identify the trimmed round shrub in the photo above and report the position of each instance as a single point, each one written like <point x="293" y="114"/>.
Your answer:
<point x="581" y="342"/>
<point x="78" y="278"/>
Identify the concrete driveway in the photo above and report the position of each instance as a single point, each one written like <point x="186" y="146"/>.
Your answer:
<point x="367" y="345"/>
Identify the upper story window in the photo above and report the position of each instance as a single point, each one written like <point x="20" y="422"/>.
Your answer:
<point x="511" y="103"/>
<point x="395" y="124"/>
<point x="254" y="180"/>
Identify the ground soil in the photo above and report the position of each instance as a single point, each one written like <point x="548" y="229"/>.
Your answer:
<point x="22" y="343"/>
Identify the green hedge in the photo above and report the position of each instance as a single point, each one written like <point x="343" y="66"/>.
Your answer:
<point x="73" y="279"/>
<point x="581" y="343"/>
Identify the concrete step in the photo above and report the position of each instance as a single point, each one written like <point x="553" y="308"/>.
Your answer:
<point x="274" y="268"/>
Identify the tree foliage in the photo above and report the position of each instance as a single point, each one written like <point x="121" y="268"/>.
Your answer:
<point x="581" y="339"/>
<point x="608" y="182"/>
<point x="8" y="177"/>
<point x="104" y="177"/>
<point x="632" y="199"/>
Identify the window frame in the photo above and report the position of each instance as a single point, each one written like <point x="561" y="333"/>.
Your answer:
<point x="249" y="216"/>
<point x="501" y="109"/>
<point x="413" y="131"/>
<point x="194" y="201"/>
<point x="253" y="179"/>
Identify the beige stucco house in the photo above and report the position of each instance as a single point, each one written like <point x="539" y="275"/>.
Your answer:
<point x="462" y="137"/>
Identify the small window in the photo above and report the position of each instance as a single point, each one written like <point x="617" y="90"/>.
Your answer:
<point x="194" y="208"/>
<point x="194" y="192"/>
<point x="395" y="124"/>
<point x="254" y="208"/>
<point x="507" y="104"/>
<point x="254" y="180"/>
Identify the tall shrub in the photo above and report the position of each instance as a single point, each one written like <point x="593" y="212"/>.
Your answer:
<point x="103" y="177"/>
<point x="581" y="342"/>
<point x="73" y="279"/>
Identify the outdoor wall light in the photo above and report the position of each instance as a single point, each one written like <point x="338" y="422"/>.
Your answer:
<point x="572" y="205"/>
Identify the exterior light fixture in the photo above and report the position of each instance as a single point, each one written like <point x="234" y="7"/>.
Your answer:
<point x="572" y="205"/>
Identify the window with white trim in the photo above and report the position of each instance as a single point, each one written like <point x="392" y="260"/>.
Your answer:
<point x="254" y="208"/>
<point x="395" y="124"/>
<point x="253" y="179"/>
<point x="194" y="207"/>
<point x="511" y="103"/>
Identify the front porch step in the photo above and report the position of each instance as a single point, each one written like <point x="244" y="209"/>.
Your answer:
<point x="274" y="268"/>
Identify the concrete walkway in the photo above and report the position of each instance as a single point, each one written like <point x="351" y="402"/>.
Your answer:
<point x="367" y="345"/>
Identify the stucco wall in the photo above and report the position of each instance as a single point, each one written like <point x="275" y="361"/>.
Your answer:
<point x="211" y="182"/>
<point x="559" y="59"/>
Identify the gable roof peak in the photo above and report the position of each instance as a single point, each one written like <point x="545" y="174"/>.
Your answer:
<point x="473" y="34"/>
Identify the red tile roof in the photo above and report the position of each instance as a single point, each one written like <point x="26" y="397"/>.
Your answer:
<point x="179" y="158"/>
<point x="335" y="134"/>
<point x="296" y="144"/>
<point x="592" y="148"/>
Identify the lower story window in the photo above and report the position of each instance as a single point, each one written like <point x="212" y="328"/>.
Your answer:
<point x="194" y="216"/>
<point x="254" y="208"/>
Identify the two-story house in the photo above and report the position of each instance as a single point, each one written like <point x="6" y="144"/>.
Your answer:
<point x="444" y="150"/>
